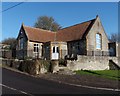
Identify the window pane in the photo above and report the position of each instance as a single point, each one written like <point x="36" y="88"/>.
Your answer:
<point x="36" y="48"/>
<point x="57" y="49"/>
<point x="53" y="49"/>
<point x="98" y="41"/>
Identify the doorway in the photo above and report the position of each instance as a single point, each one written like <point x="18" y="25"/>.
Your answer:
<point x="55" y="53"/>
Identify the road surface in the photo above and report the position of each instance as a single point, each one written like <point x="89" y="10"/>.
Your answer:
<point x="17" y="83"/>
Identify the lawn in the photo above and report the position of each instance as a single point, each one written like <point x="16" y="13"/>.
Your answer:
<point x="111" y="74"/>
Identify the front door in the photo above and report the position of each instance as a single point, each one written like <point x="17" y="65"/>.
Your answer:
<point x="55" y="53"/>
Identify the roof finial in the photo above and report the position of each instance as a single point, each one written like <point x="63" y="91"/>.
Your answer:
<point x="22" y="24"/>
<point x="97" y="16"/>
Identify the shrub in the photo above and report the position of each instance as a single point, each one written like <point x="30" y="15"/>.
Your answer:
<point x="28" y="58"/>
<point x="45" y="64"/>
<point x="28" y="66"/>
<point x="62" y="62"/>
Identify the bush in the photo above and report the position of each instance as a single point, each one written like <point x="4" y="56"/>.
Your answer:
<point x="62" y="62"/>
<point x="52" y="65"/>
<point x="28" y="66"/>
<point x="28" y="58"/>
<point x="46" y="64"/>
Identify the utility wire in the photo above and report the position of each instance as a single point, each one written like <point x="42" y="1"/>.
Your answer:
<point x="13" y="6"/>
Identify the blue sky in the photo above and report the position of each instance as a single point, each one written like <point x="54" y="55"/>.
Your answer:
<point x="66" y="14"/>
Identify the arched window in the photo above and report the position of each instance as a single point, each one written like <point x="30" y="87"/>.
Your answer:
<point x="98" y="41"/>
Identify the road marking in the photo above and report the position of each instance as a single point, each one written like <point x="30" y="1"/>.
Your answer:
<point x="23" y="92"/>
<point x="108" y="89"/>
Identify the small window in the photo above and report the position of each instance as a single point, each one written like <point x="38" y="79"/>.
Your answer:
<point x="36" y="47"/>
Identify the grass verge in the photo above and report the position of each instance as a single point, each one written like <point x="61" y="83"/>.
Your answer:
<point x="110" y="74"/>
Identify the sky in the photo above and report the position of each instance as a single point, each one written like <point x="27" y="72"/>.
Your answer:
<point x="65" y="13"/>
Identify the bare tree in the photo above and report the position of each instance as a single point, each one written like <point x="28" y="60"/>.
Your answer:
<point x="10" y="41"/>
<point x="47" y="23"/>
<point x="114" y="37"/>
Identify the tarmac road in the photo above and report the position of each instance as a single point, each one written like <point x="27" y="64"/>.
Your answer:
<point x="17" y="83"/>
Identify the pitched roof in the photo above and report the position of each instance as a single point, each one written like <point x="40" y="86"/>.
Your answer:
<point x="75" y="32"/>
<point x="39" y="35"/>
<point x="71" y="33"/>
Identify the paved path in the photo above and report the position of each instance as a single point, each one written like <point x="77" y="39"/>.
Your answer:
<point x="17" y="83"/>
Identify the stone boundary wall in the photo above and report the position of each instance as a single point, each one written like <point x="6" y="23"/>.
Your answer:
<point x="32" y="66"/>
<point x="116" y="60"/>
<point x="89" y="63"/>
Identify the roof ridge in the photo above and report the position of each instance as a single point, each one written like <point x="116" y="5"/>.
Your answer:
<point x="39" y="29"/>
<point x="76" y="24"/>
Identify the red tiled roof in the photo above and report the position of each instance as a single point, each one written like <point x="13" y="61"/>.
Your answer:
<point x="71" y="33"/>
<point x="39" y="35"/>
<point x="75" y="32"/>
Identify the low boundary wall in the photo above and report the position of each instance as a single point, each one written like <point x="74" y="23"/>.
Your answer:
<point x="89" y="63"/>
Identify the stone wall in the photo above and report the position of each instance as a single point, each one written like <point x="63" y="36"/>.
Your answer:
<point x="89" y="63"/>
<point x="32" y="66"/>
<point x="77" y="47"/>
<point x="63" y="49"/>
<point x="115" y="60"/>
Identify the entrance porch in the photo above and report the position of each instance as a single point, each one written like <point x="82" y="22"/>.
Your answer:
<point x="55" y="50"/>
